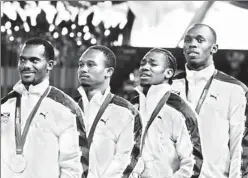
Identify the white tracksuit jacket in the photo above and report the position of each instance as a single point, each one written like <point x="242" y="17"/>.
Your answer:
<point x="167" y="150"/>
<point x="114" y="137"/>
<point x="221" y="123"/>
<point x="52" y="147"/>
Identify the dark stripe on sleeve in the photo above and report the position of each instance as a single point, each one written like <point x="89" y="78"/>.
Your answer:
<point x="135" y="154"/>
<point x="176" y="102"/>
<point x="227" y="78"/>
<point x="62" y="98"/>
<point x="10" y="95"/>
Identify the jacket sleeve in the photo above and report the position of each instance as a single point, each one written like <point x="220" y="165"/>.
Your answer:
<point x="124" y="147"/>
<point x="69" y="150"/>
<point x="237" y="120"/>
<point x="184" y="148"/>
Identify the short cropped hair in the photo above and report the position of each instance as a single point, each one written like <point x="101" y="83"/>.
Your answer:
<point x="210" y="28"/>
<point x="49" y="50"/>
<point x="171" y="61"/>
<point x="109" y="55"/>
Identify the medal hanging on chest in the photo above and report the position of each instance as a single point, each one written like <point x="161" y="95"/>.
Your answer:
<point x="18" y="162"/>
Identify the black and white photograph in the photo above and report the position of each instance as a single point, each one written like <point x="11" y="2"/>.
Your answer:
<point x="124" y="89"/>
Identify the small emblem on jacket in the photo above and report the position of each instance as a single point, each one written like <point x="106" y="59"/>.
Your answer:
<point x="160" y="117"/>
<point x="44" y="115"/>
<point x="103" y="121"/>
<point x="5" y="117"/>
<point x="214" y="96"/>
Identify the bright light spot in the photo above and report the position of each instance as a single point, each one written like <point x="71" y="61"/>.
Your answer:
<point x="64" y="31"/>
<point x="18" y="39"/>
<point x="3" y="29"/>
<point x="11" y="38"/>
<point x="115" y="43"/>
<point x="122" y="24"/>
<point x="107" y="32"/>
<point x="87" y="36"/>
<point x="56" y="35"/>
<point x="79" y="43"/>
<point x="131" y="77"/>
<point x="86" y="29"/>
<point x="51" y="28"/>
<point x="93" y="41"/>
<point x="9" y="32"/>
<point x="108" y="3"/>
<point x="79" y="34"/>
<point x="26" y="27"/>
<point x="71" y="34"/>
<point x="33" y="22"/>
<point x="120" y="39"/>
<point x="73" y="26"/>
<point x="16" y="28"/>
<point x="8" y="25"/>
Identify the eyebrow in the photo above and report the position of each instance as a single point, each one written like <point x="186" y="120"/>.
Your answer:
<point x="151" y="59"/>
<point x="192" y="36"/>
<point x="32" y="57"/>
<point x="81" y="61"/>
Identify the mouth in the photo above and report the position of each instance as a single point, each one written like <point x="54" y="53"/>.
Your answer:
<point x="192" y="52"/>
<point x="144" y="75"/>
<point x="27" y="73"/>
<point x="84" y="76"/>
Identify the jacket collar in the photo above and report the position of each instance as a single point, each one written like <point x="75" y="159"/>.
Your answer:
<point x="155" y="90"/>
<point x="148" y="103"/>
<point x="204" y="74"/>
<point x="38" y="89"/>
<point x="97" y="98"/>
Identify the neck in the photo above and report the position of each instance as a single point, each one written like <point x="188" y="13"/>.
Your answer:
<point x="26" y="86"/>
<point x="201" y="67"/>
<point x="147" y="87"/>
<point x="92" y="90"/>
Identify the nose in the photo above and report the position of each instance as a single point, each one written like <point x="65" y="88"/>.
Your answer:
<point x="193" y="43"/>
<point x="83" y="69"/>
<point x="26" y="65"/>
<point x="144" y="67"/>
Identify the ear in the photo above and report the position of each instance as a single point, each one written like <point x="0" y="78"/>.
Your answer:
<point x="168" y="73"/>
<point x="50" y="65"/>
<point x="214" y="49"/>
<point x="109" y="72"/>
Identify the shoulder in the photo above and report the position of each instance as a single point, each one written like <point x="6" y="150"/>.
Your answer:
<point x="124" y="104"/>
<point x="181" y="75"/>
<point x="64" y="100"/>
<point x="231" y="81"/>
<point x="182" y="106"/>
<point x="9" y="96"/>
<point x="178" y="82"/>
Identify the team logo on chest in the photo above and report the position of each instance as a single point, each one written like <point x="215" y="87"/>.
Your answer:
<point x="5" y="117"/>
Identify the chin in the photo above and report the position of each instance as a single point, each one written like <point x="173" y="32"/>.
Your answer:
<point x="145" y="84"/>
<point x="27" y="82"/>
<point x="85" y="84"/>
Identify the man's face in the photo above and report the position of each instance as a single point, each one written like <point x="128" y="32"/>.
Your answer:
<point x="32" y="64"/>
<point x="152" y="68"/>
<point x="92" y="70"/>
<point x="198" y="44"/>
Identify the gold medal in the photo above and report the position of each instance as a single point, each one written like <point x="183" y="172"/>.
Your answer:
<point x="18" y="163"/>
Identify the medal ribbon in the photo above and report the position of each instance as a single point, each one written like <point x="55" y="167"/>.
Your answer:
<point x="21" y="138"/>
<point x="204" y="92"/>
